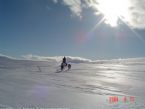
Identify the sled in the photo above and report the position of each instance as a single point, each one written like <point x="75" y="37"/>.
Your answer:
<point x="65" y="65"/>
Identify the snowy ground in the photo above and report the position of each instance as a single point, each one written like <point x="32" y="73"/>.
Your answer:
<point x="33" y="84"/>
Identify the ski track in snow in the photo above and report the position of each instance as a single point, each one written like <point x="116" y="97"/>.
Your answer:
<point x="86" y="86"/>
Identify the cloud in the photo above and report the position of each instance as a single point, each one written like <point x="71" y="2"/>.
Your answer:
<point x="55" y="1"/>
<point x="136" y="10"/>
<point x="137" y="14"/>
<point x="74" y="6"/>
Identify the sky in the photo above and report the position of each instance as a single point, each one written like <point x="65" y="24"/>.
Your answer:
<point x="94" y="29"/>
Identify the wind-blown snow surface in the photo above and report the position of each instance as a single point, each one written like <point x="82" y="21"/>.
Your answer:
<point x="88" y="85"/>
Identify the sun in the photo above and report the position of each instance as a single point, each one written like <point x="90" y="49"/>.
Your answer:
<point x="113" y="10"/>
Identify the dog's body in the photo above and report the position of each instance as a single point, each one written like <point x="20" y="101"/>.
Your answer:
<point x="69" y="66"/>
<point x="63" y="65"/>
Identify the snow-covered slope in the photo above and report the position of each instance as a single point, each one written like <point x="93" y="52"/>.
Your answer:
<point x="88" y="85"/>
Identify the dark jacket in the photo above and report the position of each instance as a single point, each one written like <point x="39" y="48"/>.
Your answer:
<point x="64" y="60"/>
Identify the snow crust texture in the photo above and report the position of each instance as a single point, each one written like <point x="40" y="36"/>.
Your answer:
<point x="88" y="85"/>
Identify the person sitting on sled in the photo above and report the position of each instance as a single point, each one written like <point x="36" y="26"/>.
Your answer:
<point x="64" y="61"/>
<point x="63" y="64"/>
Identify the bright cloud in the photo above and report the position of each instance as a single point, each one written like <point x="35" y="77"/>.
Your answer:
<point x="135" y="17"/>
<point x="55" y="1"/>
<point x="74" y="6"/>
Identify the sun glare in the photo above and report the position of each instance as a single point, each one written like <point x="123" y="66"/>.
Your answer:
<point x="113" y="10"/>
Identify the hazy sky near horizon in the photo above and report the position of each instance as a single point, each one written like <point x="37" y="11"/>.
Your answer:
<point x="71" y="27"/>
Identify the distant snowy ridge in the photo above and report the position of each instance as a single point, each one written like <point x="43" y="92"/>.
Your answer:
<point x="70" y="59"/>
<point x="139" y="60"/>
<point x="56" y="58"/>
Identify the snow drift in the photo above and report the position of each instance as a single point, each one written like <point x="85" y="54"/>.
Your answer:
<point x="88" y="85"/>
